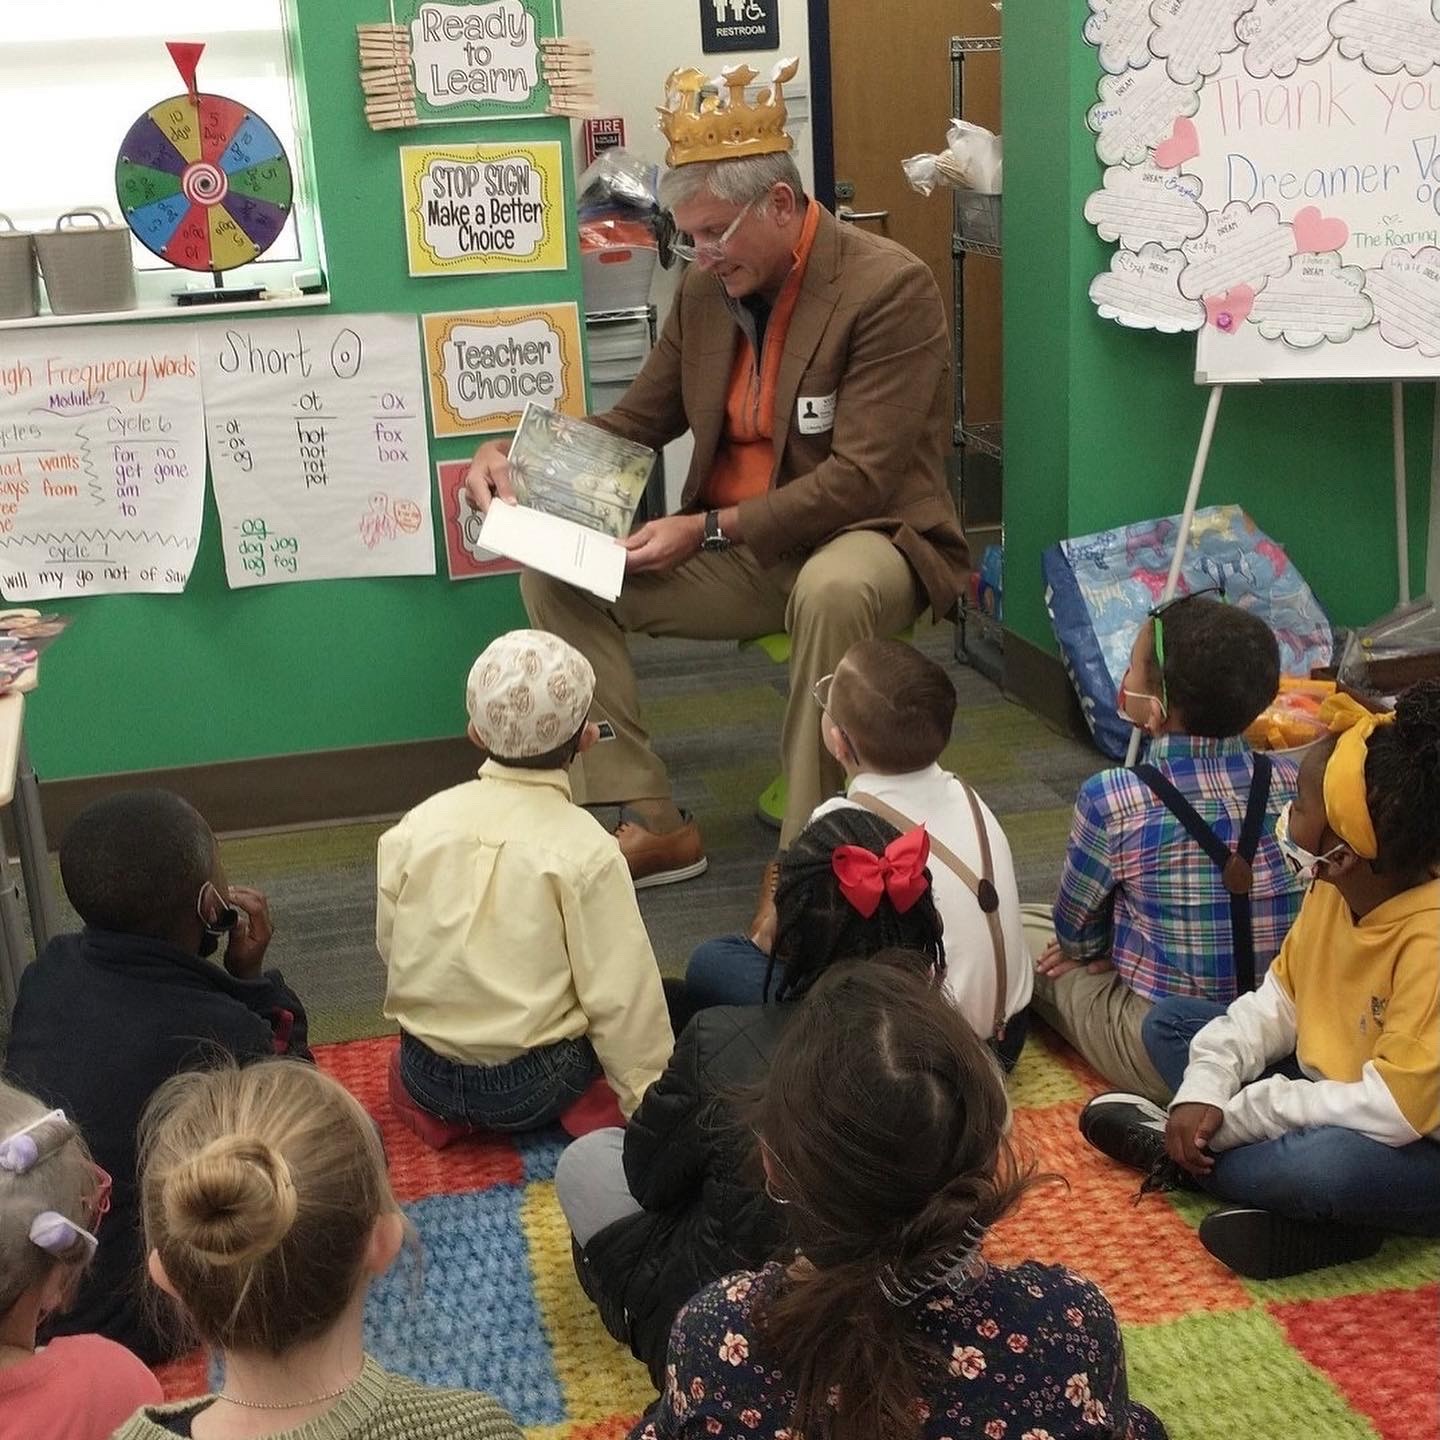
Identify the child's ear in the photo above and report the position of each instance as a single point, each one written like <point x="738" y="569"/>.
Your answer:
<point x="156" y="1266"/>
<point x="1340" y="866"/>
<point x="833" y="738"/>
<point x="387" y="1235"/>
<point x="473" y="736"/>
<point x="588" y="737"/>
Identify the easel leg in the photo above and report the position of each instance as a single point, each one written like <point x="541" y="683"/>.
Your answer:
<point x="1402" y="509"/>
<point x="1187" y="518"/>
<point x="1432" y="549"/>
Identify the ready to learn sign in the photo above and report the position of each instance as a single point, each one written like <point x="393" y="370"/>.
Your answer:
<point x="727" y="25"/>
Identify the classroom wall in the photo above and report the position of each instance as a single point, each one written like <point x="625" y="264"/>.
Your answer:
<point x="142" y="681"/>
<point x="1101" y="423"/>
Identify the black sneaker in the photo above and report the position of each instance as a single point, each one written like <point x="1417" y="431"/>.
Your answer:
<point x="1131" y="1129"/>
<point x="1262" y="1245"/>
<point x="1127" y="1128"/>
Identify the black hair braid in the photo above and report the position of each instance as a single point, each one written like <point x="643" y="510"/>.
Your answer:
<point x="1402" y="783"/>
<point x="817" y="926"/>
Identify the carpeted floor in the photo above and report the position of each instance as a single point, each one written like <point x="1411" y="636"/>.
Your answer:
<point x="1347" y="1354"/>
<point x="715" y="713"/>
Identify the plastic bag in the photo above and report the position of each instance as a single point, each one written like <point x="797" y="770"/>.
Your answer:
<point x="618" y="180"/>
<point x="1293" y="718"/>
<point x="1398" y="649"/>
<point x="971" y="160"/>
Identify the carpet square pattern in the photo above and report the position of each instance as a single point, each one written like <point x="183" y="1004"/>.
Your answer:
<point x="488" y="1297"/>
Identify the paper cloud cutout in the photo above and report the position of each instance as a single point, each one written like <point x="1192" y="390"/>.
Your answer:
<point x="1406" y="294"/>
<point x="1388" y="35"/>
<point x="1144" y="203"/>
<point x="1137" y="110"/>
<point x="1120" y="30"/>
<point x="1140" y="291"/>
<point x="1240" y="246"/>
<point x="1317" y="299"/>
<point x="1192" y="36"/>
<point x="1279" y="34"/>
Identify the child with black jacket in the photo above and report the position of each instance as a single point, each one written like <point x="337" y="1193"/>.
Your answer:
<point x="106" y="1016"/>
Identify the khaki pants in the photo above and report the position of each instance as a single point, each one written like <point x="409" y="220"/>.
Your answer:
<point x="1100" y="1015"/>
<point x="857" y="586"/>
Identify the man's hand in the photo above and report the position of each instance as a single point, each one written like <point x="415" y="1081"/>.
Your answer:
<point x="245" y="950"/>
<point x="1188" y="1132"/>
<point x="490" y="475"/>
<point x="662" y="544"/>
<point x="1053" y="962"/>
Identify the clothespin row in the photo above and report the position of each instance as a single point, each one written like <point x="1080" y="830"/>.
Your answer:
<point x="386" y="77"/>
<point x="569" y="69"/>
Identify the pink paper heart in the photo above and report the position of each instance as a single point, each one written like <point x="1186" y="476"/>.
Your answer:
<point x="1315" y="233"/>
<point x="1227" y="312"/>
<point x="1182" y="144"/>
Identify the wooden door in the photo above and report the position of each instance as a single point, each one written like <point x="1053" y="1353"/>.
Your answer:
<point x="890" y="80"/>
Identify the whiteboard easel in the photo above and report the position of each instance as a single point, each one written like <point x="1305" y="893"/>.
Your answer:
<point x="1402" y="520"/>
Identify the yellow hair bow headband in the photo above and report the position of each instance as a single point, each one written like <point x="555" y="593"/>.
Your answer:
<point x="1346" y="806"/>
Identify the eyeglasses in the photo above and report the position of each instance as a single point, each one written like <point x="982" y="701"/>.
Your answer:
<point x="1156" y="614"/>
<point x="710" y="250"/>
<point x="820" y="694"/>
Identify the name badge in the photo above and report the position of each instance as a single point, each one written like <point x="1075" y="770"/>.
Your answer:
<point x="815" y="414"/>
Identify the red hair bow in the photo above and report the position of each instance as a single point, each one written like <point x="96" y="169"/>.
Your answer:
<point x="899" y="872"/>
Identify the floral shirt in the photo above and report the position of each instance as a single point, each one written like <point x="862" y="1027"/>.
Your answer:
<point x="1035" y="1354"/>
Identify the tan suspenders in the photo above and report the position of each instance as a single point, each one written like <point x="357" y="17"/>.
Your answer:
<point x="982" y="886"/>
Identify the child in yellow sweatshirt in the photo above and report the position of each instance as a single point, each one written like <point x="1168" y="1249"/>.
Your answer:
<point x="1313" y="1104"/>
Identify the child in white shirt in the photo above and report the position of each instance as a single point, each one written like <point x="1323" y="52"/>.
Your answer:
<point x="887" y="716"/>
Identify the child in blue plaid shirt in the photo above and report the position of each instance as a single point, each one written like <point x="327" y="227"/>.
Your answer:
<point x="1153" y="899"/>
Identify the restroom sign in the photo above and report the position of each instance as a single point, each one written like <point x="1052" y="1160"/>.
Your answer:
<point x="727" y="25"/>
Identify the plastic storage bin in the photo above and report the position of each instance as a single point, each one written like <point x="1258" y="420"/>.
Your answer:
<point x="19" y="280"/>
<point x="87" y="268"/>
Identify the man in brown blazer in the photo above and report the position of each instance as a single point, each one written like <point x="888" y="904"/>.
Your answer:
<point x="811" y="362"/>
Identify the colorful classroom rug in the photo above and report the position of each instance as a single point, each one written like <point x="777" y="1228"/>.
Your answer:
<point x="490" y="1300"/>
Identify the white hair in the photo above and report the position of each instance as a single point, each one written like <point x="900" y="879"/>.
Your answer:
<point x="745" y="180"/>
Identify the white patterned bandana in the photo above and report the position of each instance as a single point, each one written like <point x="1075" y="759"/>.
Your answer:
<point x="529" y="692"/>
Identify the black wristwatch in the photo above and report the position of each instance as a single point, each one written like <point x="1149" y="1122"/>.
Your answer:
<point x="715" y="540"/>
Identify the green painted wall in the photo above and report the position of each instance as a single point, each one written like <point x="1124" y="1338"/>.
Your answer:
<point x="1101" y="423"/>
<point x="142" y="681"/>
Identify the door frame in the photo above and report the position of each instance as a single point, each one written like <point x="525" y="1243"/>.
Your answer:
<point x="822" y="118"/>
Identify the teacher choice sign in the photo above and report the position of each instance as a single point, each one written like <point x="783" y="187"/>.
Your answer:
<point x="483" y="209"/>
<point x="485" y="365"/>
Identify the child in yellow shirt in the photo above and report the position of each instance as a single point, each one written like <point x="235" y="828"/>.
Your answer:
<point x="1313" y="1104"/>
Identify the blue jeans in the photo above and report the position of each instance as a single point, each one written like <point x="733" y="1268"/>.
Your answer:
<point x="731" y="971"/>
<point x="521" y="1094"/>
<point x="1325" y="1172"/>
<point x="728" y="971"/>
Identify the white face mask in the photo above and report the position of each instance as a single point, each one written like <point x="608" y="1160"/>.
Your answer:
<point x="1302" y="862"/>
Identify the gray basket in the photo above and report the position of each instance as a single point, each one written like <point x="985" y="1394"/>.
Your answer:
<point x="19" y="280"/>
<point x="87" y="268"/>
<point x="978" y="216"/>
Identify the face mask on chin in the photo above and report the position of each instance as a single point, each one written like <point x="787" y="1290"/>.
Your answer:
<point x="1303" y="863"/>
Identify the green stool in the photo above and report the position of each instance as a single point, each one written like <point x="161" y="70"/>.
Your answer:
<point x="770" y="805"/>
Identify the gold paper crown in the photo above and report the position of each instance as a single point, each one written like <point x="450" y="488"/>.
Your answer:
<point x="702" y="123"/>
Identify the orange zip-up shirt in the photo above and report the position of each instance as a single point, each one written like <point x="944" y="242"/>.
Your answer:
<point x="745" y="456"/>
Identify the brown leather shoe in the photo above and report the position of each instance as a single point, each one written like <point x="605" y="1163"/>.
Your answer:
<point x="762" y="926"/>
<point x="656" y="859"/>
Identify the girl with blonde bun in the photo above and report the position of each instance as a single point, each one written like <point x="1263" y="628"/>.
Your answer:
<point x="267" y="1213"/>
<point x="52" y="1198"/>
